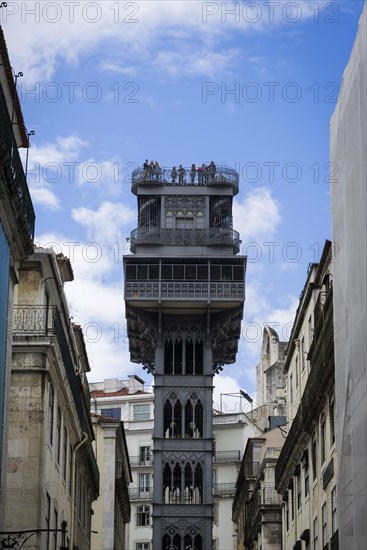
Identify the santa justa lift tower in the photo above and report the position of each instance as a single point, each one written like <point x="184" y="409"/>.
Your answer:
<point x="184" y="294"/>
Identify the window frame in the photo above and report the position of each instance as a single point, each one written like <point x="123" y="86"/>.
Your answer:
<point x="324" y="536"/>
<point x="334" y="511"/>
<point x="51" y="407"/>
<point x="142" y="413"/>
<point x="143" y="515"/>
<point x="58" y="434"/>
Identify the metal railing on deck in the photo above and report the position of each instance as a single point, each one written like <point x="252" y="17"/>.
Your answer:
<point x="13" y="168"/>
<point x="183" y="290"/>
<point x="187" y="237"/>
<point x="222" y="175"/>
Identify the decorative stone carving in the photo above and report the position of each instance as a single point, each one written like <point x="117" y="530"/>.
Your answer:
<point x="184" y="204"/>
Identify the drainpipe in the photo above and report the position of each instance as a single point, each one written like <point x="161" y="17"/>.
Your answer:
<point x="84" y="440"/>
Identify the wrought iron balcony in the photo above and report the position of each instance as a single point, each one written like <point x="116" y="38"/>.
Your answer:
<point x="212" y="236"/>
<point x="138" y="461"/>
<point x="227" y="456"/>
<point x="12" y="169"/>
<point x="33" y="321"/>
<point x="224" y="490"/>
<point x="163" y="176"/>
<point x="140" y="493"/>
<point x="181" y="290"/>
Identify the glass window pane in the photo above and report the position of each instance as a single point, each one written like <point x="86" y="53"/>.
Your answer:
<point x="202" y="272"/>
<point x="153" y="272"/>
<point x="142" y="272"/>
<point x="130" y="272"/>
<point x="190" y="272"/>
<point x="215" y="273"/>
<point x="167" y="272"/>
<point x="178" y="272"/>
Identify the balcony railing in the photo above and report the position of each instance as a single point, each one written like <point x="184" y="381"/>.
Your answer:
<point x="223" y="490"/>
<point x="227" y="456"/>
<point x="33" y="321"/>
<point x="177" y="237"/>
<point x="13" y="168"/>
<point x="184" y="290"/>
<point x="138" y="461"/>
<point x="163" y="176"/>
<point x="140" y="493"/>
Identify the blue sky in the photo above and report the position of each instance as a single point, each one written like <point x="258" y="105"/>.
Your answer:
<point x="248" y="84"/>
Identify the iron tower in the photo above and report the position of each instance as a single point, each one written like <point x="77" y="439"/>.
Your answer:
<point x="184" y="294"/>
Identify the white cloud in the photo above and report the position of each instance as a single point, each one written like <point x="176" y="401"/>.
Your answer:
<point x="95" y="299"/>
<point x="194" y="62"/>
<point x="138" y="29"/>
<point x="46" y="166"/>
<point x="257" y="216"/>
<point x="105" y="224"/>
<point x="45" y="197"/>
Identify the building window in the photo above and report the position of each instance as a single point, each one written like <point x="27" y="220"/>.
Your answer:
<point x="297" y="367"/>
<point x="322" y="438"/>
<point x="334" y="524"/>
<point x="56" y="521"/>
<point x="58" y="435"/>
<point x="324" y="524"/>
<point x="144" y="485"/>
<point x="291" y="389"/>
<point x="65" y="454"/>
<point x="70" y="468"/>
<point x="315" y="534"/>
<point x="287" y="515"/>
<point x="142" y="412"/>
<point x="299" y="490"/>
<point x="303" y="353"/>
<point x="51" y="402"/>
<point x="48" y="513"/>
<point x="332" y="420"/>
<point x="113" y="412"/>
<point x="143" y="516"/>
<point x="142" y="546"/>
<point x="145" y="454"/>
<point x="310" y="330"/>
<point x="314" y="457"/>
<point x="307" y="481"/>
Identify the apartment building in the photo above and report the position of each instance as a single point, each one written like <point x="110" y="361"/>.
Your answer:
<point x="52" y="472"/>
<point x="17" y="220"/>
<point x="306" y="471"/>
<point x="111" y="512"/>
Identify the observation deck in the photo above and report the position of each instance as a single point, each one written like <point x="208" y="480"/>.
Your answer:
<point x="212" y="236"/>
<point x="223" y="176"/>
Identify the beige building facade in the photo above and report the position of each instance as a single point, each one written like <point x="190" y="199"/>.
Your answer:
<point x="52" y="471"/>
<point x="306" y="472"/>
<point x="111" y="512"/>
<point x="17" y="220"/>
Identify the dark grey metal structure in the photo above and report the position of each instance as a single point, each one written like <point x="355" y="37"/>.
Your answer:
<point x="184" y="293"/>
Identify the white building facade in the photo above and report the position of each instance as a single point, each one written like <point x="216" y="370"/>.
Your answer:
<point x="131" y="402"/>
